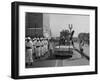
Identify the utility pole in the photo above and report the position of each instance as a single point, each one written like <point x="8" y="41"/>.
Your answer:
<point x="70" y="27"/>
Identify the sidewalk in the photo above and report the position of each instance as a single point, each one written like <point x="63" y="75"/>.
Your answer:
<point x="85" y="52"/>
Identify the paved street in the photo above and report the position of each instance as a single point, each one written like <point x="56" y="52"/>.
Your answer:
<point x="56" y="61"/>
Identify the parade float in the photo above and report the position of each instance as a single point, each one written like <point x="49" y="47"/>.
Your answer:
<point x="65" y="47"/>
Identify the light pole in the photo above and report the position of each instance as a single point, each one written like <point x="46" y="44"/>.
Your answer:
<point x="70" y="27"/>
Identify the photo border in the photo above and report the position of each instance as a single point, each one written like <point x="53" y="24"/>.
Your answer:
<point x="15" y="39"/>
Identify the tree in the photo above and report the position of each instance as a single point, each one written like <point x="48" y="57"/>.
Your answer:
<point x="84" y="37"/>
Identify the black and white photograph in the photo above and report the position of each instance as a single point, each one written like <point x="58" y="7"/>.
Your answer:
<point x="51" y="40"/>
<point x="56" y="40"/>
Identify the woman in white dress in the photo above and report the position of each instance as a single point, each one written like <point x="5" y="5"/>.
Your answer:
<point x="41" y="47"/>
<point x="46" y="45"/>
<point x="34" y="48"/>
<point x="38" y="48"/>
<point x="29" y="47"/>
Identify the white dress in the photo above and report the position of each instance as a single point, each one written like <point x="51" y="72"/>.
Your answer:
<point x="44" y="50"/>
<point x="34" y="47"/>
<point x="42" y="47"/>
<point x="29" y="46"/>
<point x="38" y="54"/>
<point x="46" y="45"/>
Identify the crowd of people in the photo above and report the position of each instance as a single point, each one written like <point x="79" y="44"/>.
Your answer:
<point x="35" y="48"/>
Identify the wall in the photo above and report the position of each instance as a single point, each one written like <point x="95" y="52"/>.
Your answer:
<point x="5" y="42"/>
<point x="34" y="24"/>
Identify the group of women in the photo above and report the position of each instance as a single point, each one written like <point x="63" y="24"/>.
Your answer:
<point x="35" y="47"/>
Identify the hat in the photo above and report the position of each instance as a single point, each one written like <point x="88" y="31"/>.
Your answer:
<point x="28" y="38"/>
<point x="33" y="39"/>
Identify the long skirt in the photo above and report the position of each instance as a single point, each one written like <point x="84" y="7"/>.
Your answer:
<point x="38" y="52"/>
<point x="33" y="50"/>
<point x="46" y="47"/>
<point x="42" y="50"/>
<point x="29" y="56"/>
